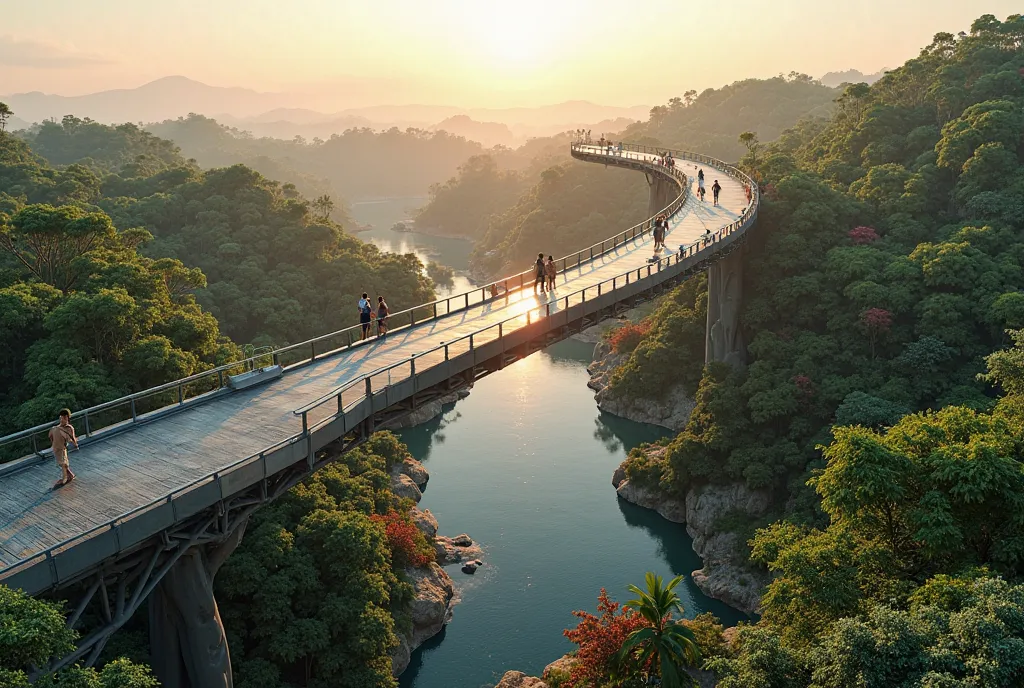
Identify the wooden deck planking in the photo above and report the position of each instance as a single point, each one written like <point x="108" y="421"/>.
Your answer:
<point x="135" y="467"/>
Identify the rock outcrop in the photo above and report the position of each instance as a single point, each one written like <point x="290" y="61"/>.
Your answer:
<point x="562" y="664"/>
<point x="517" y="679"/>
<point x="425" y="521"/>
<point x="409" y="478"/>
<point x="448" y="551"/>
<point x="726" y="575"/>
<point x="429" y="410"/>
<point x="672" y="411"/>
<point x="671" y="508"/>
<point x="431" y="610"/>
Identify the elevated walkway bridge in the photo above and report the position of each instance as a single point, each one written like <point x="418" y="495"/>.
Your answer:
<point x="167" y="477"/>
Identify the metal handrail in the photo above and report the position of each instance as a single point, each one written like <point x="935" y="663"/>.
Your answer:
<point x="684" y="252"/>
<point x="168" y="498"/>
<point x="349" y="335"/>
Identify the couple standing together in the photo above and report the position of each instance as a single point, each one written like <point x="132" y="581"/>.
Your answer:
<point x="545" y="272"/>
<point x="366" y="315"/>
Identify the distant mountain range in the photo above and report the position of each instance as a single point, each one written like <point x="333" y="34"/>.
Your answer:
<point x="271" y="114"/>
<point x="851" y="76"/>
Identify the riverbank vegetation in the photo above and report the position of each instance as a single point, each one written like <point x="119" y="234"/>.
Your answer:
<point x="881" y="403"/>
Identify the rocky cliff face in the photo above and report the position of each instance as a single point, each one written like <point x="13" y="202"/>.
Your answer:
<point x="726" y="576"/>
<point x="435" y="592"/>
<point x="672" y="411"/>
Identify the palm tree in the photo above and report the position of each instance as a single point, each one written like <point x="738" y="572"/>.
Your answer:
<point x="671" y="643"/>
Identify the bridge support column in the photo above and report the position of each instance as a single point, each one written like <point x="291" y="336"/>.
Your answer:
<point x="189" y="648"/>
<point x="724" y="339"/>
<point x="662" y="193"/>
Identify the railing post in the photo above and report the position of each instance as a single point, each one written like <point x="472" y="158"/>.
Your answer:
<point x="467" y="300"/>
<point x="35" y="445"/>
<point x="87" y="430"/>
<point x="369" y="389"/>
<point x="181" y="398"/>
<point x="312" y="352"/>
<point x="350" y="339"/>
<point x="305" y="424"/>
<point x="220" y="381"/>
<point x="412" y="316"/>
<point x="470" y="342"/>
<point x="446" y="352"/>
<point x="598" y="288"/>
<point x="134" y="416"/>
<point x="435" y="310"/>
<point x="528" y="317"/>
<point x="276" y="358"/>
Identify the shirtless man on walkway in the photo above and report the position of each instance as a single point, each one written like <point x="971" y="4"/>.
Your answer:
<point x="60" y="435"/>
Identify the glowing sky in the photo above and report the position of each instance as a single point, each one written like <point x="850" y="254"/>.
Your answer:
<point x="472" y="53"/>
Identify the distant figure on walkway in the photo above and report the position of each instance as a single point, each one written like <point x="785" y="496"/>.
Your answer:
<point x="382" y="316"/>
<point x="700" y="186"/>
<point x="707" y="236"/>
<point x="588" y="136"/>
<point x="551" y="270"/>
<point x="60" y="435"/>
<point x="660" y="226"/>
<point x="716" y="189"/>
<point x="541" y="273"/>
<point x="700" y="177"/>
<point x="365" y="311"/>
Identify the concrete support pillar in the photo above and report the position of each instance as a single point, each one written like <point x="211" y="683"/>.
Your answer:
<point x="189" y="648"/>
<point x="662" y="193"/>
<point x="725" y="285"/>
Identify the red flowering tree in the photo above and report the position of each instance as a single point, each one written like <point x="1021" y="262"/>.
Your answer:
<point x="876" y="322"/>
<point x="409" y="547"/>
<point x="628" y="337"/>
<point x="599" y="639"/>
<point x="863" y="235"/>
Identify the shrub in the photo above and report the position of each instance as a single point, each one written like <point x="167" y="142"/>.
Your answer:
<point x="644" y="468"/>
<point x="599" y="638"/>
<point x="863" y="235"/>
<point x="708" y="630"/>
<point x="625" y="339"/>
<point x="409" y="547"/>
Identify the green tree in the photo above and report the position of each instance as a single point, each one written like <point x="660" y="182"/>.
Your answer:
<point x="5" y="114"/>
<point x="668" y="644"/>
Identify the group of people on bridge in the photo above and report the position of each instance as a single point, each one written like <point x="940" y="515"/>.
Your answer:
<point x="716" y="188"/>
<point x="366" y="316"/>
<point x="545" y="271"/>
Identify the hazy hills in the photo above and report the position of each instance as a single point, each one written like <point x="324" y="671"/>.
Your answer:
<point x="281" y="114"/>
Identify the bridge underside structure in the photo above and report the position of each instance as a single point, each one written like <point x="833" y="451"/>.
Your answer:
<point x="108" y="546"/>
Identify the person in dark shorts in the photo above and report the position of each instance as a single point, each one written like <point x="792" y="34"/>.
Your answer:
<point x="365" y="311"/>
<point x="382" y="316"/>
<point x="716" y="188"/>
<point x="541" y="273"/>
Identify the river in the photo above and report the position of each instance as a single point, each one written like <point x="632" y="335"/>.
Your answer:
<point x="524" y="465"/>
<point x="384" y="213"/>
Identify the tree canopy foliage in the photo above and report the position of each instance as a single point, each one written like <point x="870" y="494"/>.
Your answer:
<point x="32" y="632"/>
<point x="882" y="401"/>
<point x="314" y="594"/>
<point x="127" y="266"/>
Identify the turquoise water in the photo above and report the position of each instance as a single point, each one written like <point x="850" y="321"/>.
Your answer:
<point x="524" y="466"/>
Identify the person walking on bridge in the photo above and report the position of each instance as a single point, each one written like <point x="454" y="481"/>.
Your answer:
<point x="716" y="189"/>
<point x="551" y="270"/>
<point x="541" y="273"/>
<point x="365" y="311"/>
<point x="700" y="187"/>
<point x="382" y="317"/>
<point x="60" y="435"/>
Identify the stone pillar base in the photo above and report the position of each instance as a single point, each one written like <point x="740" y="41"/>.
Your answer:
<point x="189" y="648"/>
<point x="725" y="285"/>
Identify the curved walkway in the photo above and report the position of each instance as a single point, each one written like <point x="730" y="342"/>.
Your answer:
<point x="133" y="468"/>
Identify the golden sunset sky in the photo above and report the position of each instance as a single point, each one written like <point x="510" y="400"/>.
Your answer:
<point x="477" y="53"/>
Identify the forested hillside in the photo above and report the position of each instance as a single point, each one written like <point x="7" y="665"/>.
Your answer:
<point x="115" y="269"/>
<point x="881" y="402"/>
<point x="358" y="163"/>
<point x="711" y="121"/>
